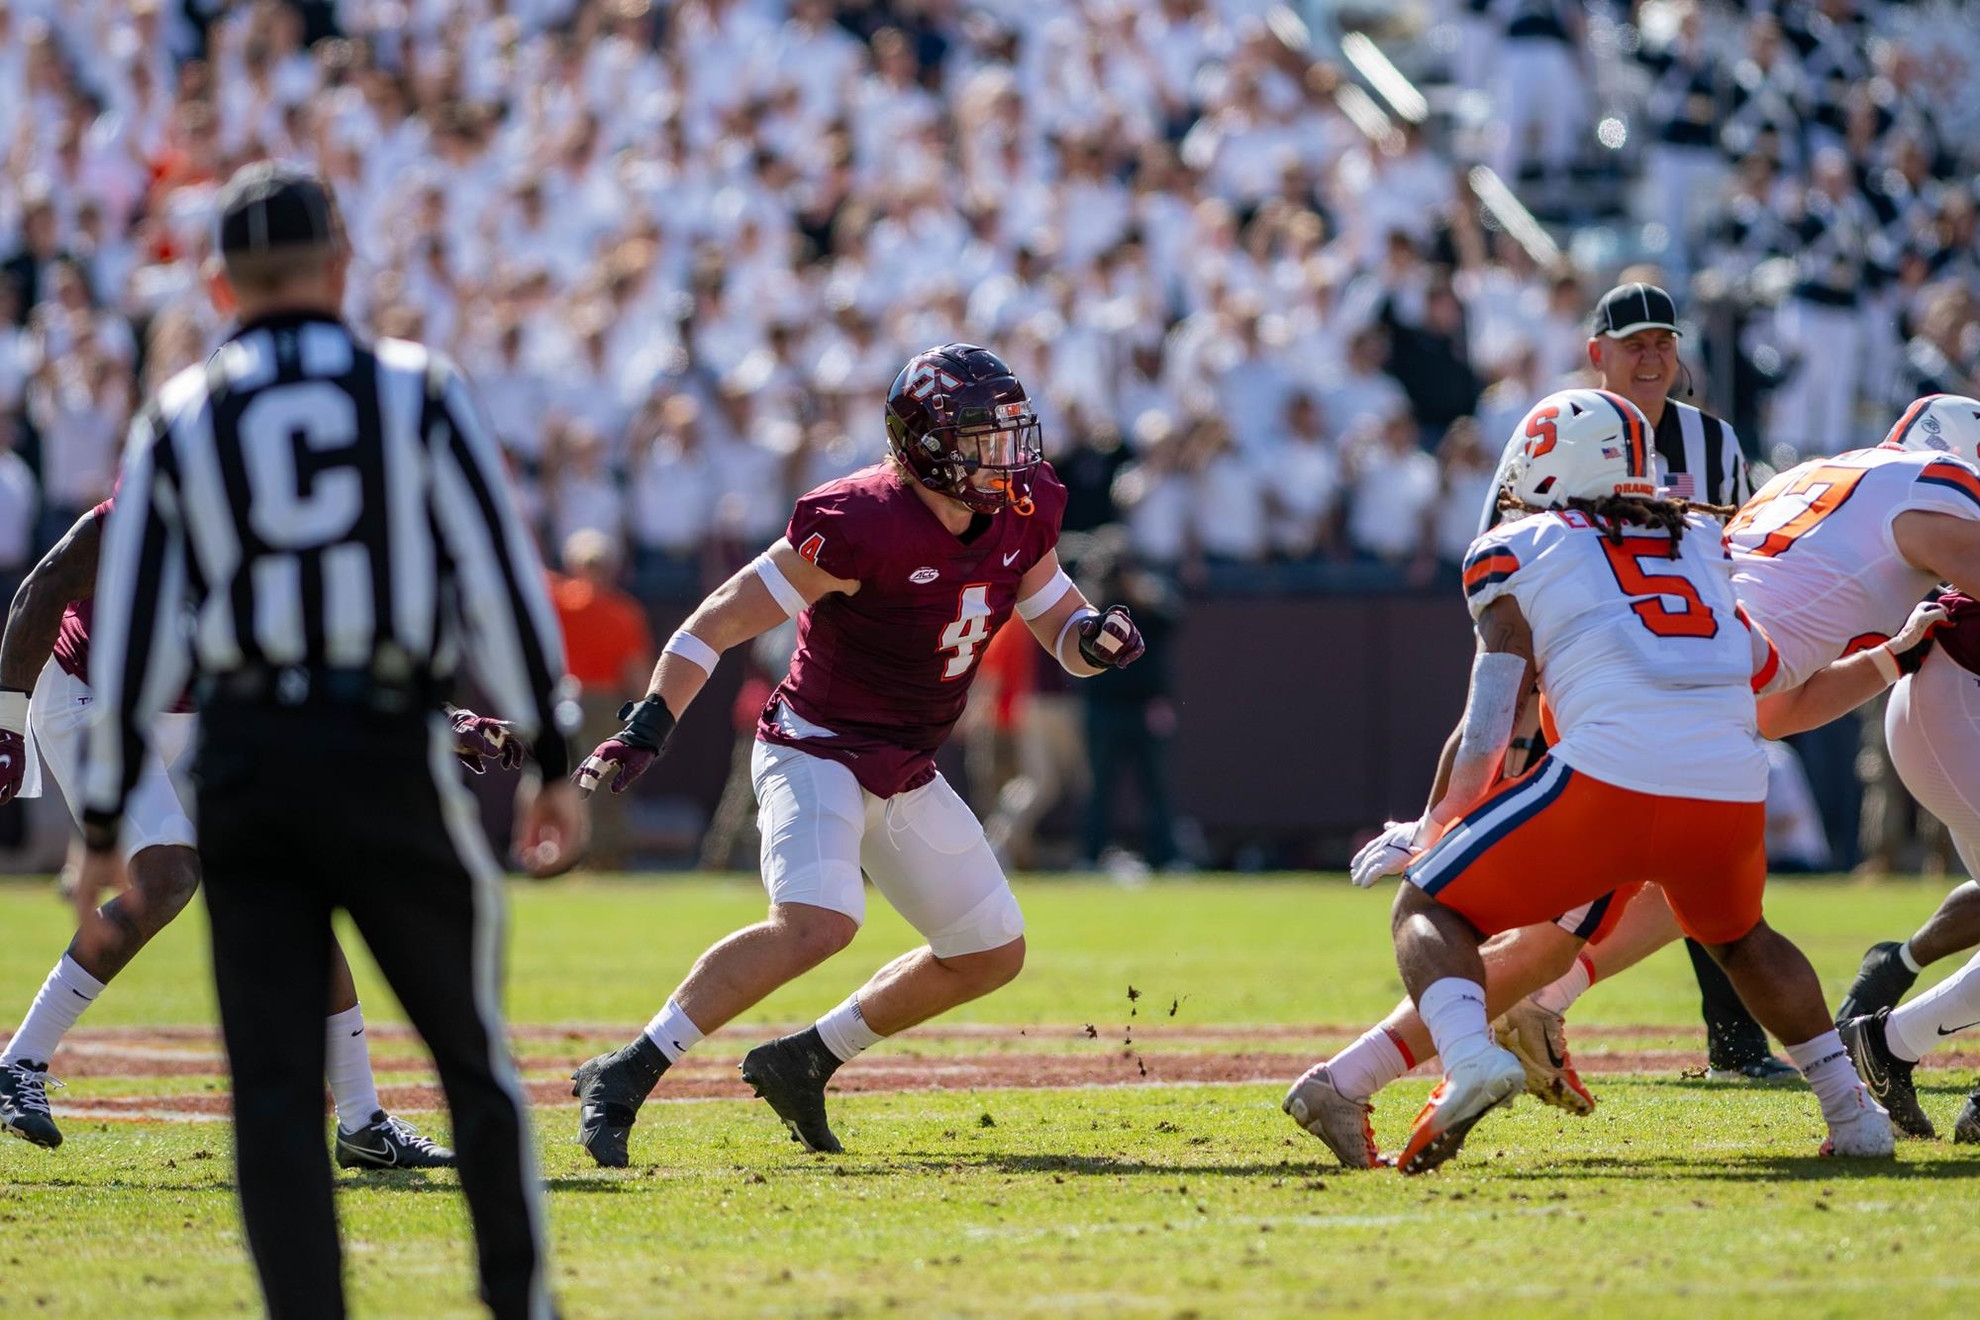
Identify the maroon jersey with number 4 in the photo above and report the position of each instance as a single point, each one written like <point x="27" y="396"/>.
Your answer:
<point x="880" y="676"/>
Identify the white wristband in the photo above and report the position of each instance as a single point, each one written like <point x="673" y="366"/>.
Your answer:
<point x="1059" y="646"/>
<point x="778" y="585"/>
<point x="1045" y="597"/>
<point x="693" y="650"/>
<point x="1886" y="661"/>
<point x="14" y="712"/>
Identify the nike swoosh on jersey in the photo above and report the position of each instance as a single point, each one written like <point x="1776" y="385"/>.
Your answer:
<point x="1009" y="557"/>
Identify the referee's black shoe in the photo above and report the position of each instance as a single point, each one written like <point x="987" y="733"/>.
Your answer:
<point x="610" y="1089"/>
<point x="1886" y="1076"/>
<point x="790" y="1073"/>
<point x="1880" y="982"/>
<point x="387" y="1142"/>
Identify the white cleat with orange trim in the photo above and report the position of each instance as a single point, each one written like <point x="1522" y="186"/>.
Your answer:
<point x="1538" y="1038"/>
<point x="1471" y="1089"/>
<point x="1317" y="1105"/>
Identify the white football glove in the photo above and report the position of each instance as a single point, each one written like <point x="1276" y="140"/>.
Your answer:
<point x="1903" y="654"/>
<point x="1918" y="627"/>
<point x="1388" y="853"/>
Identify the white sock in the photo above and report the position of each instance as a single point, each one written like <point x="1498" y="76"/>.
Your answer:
<point x="1560" y="996"/>
<point x="1454" y="1010"/>
<point x="672" y="1033"/>
<point x="1376" y="1058"/>
<point x="1825" y="1063"/>
<point x="1947" y="1009"/>
<point x="347" y="1063"/>
<point x="61" y="1000"/>
<point x="845" y="1032"/>
<point x="1906" y="957"/>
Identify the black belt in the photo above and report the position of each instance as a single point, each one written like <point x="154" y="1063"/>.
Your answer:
<point x="298" y="686"/>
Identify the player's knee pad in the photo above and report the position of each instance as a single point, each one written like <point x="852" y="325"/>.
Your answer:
<point x="992" y="923"/>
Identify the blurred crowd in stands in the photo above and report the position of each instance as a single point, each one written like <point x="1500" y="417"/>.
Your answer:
<point x="1276" y="338"/>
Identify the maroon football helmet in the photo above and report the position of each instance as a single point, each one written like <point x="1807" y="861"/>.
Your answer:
<point x="957" y="411"/>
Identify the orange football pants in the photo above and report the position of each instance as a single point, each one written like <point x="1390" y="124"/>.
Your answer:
<point x="1555" y="839"/>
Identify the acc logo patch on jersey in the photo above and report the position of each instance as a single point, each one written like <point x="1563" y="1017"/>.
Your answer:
<point x="923" y="576"/>
<point x="808" y="552"/>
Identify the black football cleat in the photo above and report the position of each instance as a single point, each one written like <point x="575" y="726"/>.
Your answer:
<point x="790" y="1073"/>
<point x="1880" y="983"/>
<point x="1966" y="1128"/>
<point x="1766" y="1068"/>
<point x="1887" y="1077"/>
<point x="390" y="1143"/>
<point x="610" y="1089"/>
<point x="24" y="1103"/>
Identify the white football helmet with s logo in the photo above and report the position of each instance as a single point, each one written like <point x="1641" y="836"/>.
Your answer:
<point x="1940" y="424"/>
<point x="1581" y="444"/>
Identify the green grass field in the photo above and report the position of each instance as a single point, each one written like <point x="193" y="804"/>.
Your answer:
<point x="1676" y="1197"/>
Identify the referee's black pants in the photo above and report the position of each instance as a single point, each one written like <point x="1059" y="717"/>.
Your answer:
<point x="309" y="809"/>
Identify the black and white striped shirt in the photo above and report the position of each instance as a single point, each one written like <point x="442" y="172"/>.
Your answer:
<point x="307" y="503"/>
<point x="1698" y="459"/>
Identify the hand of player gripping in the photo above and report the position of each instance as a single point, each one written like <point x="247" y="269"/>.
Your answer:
<point x="478" y="736"/>
<point x="632" y="749"/>
<point x="1110" y="640"/>
<point x="1388" y="853"/>
<point x="1914" y="641"/>
<point x="13" y="743"/>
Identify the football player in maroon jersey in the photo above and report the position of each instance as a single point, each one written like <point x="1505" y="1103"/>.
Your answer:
<point x="898" y="575"/>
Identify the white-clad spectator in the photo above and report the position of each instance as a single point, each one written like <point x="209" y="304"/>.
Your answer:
<point x="582" y="489"/>
<point x="1304" y="490"/>
<point x="1393" y="487"/>
<point x="1154" y="494"/>
<point x="673" y="489"/>
<point x="752" y="502"/>
<point x="1228" y="505"/>
<point x="1540" y="96"/>
<point x="1467" y="470"/>
<point x="1358" y="392"/>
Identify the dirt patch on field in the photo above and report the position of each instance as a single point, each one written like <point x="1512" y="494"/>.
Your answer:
<point x="1070" y="1058"/>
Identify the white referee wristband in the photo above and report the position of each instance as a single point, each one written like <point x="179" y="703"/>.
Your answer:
<point x="1045" y="597"/>
<point x="14" y="712"/>
<point x="693" y="650"/>
<point x="1059" y="647"/>
<point x="1886" y="661"/>
<point x="778" y="585"/>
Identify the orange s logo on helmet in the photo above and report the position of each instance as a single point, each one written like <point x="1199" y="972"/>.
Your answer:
<point x="808" y="552"/>
<point x="1541" y="437"/>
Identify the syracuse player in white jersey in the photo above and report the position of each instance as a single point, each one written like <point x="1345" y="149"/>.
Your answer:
<point x="1832" y="557"/>
<point x="1620" y="603"/>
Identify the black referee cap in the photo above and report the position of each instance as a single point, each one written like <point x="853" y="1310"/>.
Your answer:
<point x="1628" y="308"/>
<point x="271" y="205"/>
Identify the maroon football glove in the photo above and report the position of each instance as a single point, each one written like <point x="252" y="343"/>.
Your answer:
<point x="1110" y="640"/>
<point x="632" y="749"/>
<point x="478" y="736"/>
<point x="13" y="764"/>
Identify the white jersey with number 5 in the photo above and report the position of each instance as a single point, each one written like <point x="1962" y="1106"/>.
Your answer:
<point x="1645" y="660"/>
<point x="1816" y="563"/>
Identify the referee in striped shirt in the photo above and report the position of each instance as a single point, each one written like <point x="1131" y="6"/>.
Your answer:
<point x="1633" y="348"/>
<point x="316" y="533"/>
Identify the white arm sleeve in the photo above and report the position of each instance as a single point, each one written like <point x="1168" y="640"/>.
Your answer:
<point x="1487" y="729"/>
